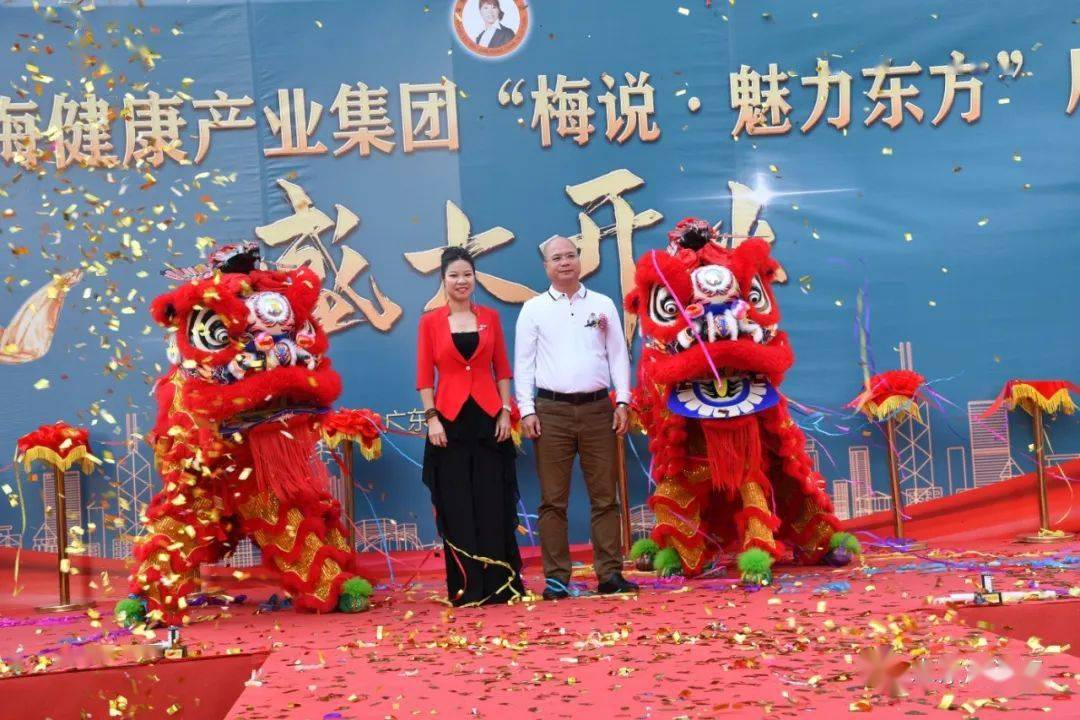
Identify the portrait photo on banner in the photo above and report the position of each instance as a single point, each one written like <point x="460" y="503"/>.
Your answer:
<point x="491" y="28"/>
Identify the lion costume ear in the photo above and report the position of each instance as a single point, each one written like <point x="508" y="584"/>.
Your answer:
<point x="163" y="312"/>
<point x="771" y="271"/>
<point x="755" y="253"/>
<point x="632" y="302"/>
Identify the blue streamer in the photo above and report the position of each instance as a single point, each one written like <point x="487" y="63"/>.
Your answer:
<point x="382" y="535"/>
<point x="386" y="439"/>
<point x="574" y="589"/>
<point x="528" y="525"/>
<point x="640" y="462"/>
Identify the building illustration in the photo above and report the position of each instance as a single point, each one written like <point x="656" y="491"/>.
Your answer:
<point x="245" y="555"/>
<point x="642" y="521"/>
<point x="991" y="454"/>
<point x="812" y="453"/>
<point x="957" y="467"/>
<point x="841" y="499"/>
<point x="134" y="489"/>
<point x="8" y="538"/>
<point x="864" y="499"/>
<point x="914" y="446"/>
<point x="45" y="537"/>
<point x="386" y="535"/>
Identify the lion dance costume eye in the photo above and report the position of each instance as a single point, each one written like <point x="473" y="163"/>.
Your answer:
<point x="240" y="411"/>
<point x="730" y="465"/>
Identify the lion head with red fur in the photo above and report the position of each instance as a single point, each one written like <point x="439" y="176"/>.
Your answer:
<point x="708" y="309"/>
<point x="243" y="340"/>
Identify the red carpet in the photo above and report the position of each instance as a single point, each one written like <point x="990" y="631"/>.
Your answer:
<point x="1057" y="619"/>
<point x="811" y="643"/>
<point x="195" y="687"/>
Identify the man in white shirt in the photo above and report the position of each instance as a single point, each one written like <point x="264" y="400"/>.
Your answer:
<point x="569" y="350"/>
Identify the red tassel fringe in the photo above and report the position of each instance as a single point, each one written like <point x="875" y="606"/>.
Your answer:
<point x="286" y="466"/>
<point x="734" y="451"/>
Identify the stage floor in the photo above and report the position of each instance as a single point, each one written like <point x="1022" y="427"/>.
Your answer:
<point x="697" y="649"/>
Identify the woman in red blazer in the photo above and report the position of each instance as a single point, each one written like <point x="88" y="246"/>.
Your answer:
<point x="463" y="376"/>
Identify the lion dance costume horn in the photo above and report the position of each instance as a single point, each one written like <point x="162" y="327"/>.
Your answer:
<point x="239" y="414"/>
<point x="729" y="463"/>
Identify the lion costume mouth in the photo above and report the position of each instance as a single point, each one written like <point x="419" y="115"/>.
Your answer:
<point x="743" y="357"/>
<point x="720" y="344"/>
<point x="245" y="339"/>
<point x="718" y="323"/>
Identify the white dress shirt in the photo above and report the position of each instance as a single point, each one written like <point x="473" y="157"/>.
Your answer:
<point x="485" y="37"/>
<point x="559" y="346"/>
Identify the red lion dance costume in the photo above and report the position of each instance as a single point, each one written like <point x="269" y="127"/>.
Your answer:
<point x="239" y="414"/>
<point x="729" y="463"/>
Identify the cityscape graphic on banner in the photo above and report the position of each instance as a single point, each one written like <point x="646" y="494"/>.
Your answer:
<point x="108" y="526"/>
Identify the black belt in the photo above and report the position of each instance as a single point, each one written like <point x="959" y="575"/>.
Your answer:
<point x="572" y="398"/>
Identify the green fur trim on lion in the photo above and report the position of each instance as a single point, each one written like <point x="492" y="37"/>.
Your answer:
<point x="644" y="546"/>
<point x="355" y="595"/>
<point x="357" y="587"/>
<point x="129" y="612"/>
<point x="847" y="541"/>
<point x="755" y="566"/>
<point x="667" y="562"/>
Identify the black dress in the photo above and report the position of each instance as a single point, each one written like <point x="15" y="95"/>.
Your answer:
<point x="473" y="483"/>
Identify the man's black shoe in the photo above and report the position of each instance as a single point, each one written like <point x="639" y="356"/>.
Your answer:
<point x="555" y="590"/>
<point x="553" y="594"/>
<point x="616" y="584"/>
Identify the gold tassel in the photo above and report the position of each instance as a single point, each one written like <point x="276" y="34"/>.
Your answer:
<point x="1029" y="398"/>
<point x="78" y="455"/>
<point x="373" y="451"/>
<point x="905" y="406"/>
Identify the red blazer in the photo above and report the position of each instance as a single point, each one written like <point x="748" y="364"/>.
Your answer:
<point x="460" y="378"/>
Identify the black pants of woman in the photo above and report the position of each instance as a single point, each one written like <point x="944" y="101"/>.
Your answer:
<point x="473" y="483"/>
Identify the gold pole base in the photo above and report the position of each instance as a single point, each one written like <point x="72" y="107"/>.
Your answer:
<point x="69" y="607"/>
<point x="1045" y="536"/>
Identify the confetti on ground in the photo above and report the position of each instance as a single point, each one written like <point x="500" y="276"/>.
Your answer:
<point x="701" y="648"/>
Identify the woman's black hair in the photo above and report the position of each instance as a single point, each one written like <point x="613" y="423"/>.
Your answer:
<point x="454" y="253"/>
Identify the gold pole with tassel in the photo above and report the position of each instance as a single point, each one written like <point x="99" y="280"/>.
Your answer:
<point x="624" y="495"/>
<point x="1045" y="534"/>
<point x="894" y="482"/>
<point x="350" y="511"/>
<point x="63" y="563"/>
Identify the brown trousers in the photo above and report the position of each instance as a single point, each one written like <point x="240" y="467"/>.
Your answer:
<point x="584" y="430"/>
